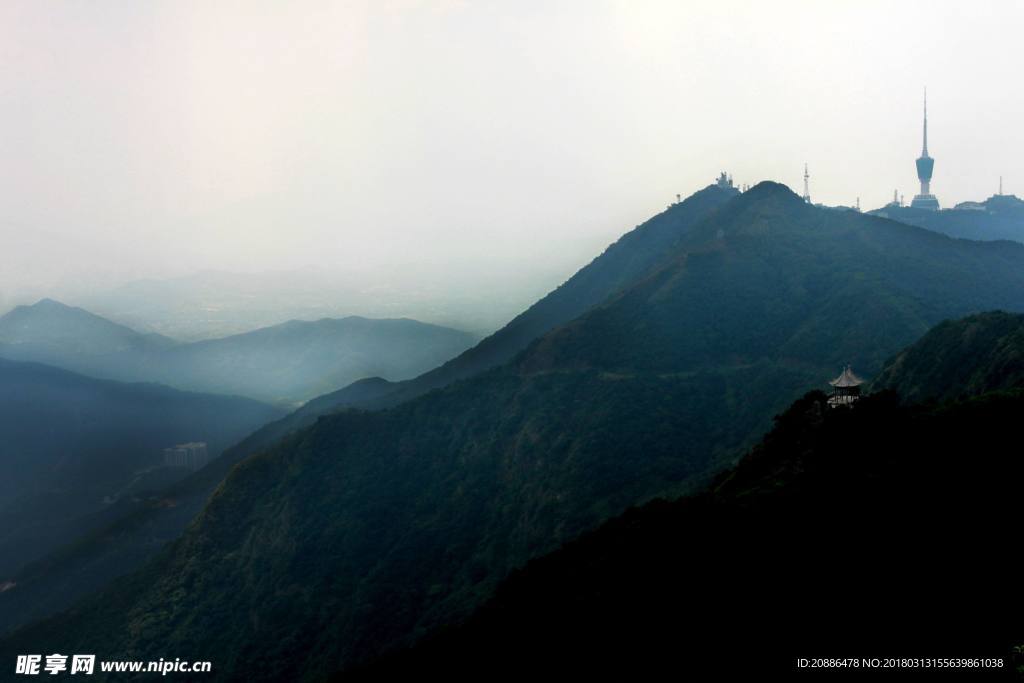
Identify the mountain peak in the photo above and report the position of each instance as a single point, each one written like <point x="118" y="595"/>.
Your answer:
<point x="767" y="198"/>
<point x="769" y="189"/>
<point x="50" y="327"/>
<point x="45" y="305"/>
<point x="47" y="302"/>
<point x="51" y="307"/>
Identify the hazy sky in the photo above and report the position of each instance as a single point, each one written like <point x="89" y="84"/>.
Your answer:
<point x="162" y="137"/>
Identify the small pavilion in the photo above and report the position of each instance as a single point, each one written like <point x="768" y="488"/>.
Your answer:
<point x="845" y="389"/>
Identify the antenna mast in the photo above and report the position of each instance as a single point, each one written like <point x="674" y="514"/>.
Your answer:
<point x="925" y="152"/>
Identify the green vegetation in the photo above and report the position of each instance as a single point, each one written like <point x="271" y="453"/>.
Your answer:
<point x="69" y="442"/>
<point x="885" y="530"/>
<point x="364" y="531"/>
<point x="126" y="542"/>
<point x="970" y="356"/>
<point x="1001" y="219"/>
<point x="620" y="265"/>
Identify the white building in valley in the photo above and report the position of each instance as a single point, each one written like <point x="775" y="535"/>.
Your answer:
<point x="192" y="455"/>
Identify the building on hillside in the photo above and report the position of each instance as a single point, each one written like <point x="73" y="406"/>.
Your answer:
<point x="845" y="388"/>
<point x="193" y="455"/>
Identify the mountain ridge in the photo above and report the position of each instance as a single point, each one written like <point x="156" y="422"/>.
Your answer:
<point x="286" y="363"/>
<point x="376" y="527"/>
<point x="632" y="255"/>
<point x="17" y="326"/>
<point x="1000" y="217"/>
<point x="767" y="560"/>
<point x="977" y="354"/>
<point x="130" y="539"/>
<point x="70" y="441"/>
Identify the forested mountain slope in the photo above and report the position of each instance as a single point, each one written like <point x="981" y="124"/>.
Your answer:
<point x="360" y="533"/>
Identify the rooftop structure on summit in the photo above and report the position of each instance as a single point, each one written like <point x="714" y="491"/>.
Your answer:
<point x="845" y="388"/>
<point x="724" y="181"/>
<point x="925" y="165"/>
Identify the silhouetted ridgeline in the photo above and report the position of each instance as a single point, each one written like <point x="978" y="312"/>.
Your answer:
<point x="362" y="532"/>
<point x="878" y="531"/>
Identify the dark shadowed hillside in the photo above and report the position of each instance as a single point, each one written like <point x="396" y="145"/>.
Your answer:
<point x="366" y="530"/>
<point x="75" y="449"/>
<point x="122" y="540"/>
<point x="124" y="536"/>
<point x="880" y="531"/>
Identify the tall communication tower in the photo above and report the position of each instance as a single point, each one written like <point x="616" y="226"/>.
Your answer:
<point x="925" y="165"/>
<point x="807" y="190"/>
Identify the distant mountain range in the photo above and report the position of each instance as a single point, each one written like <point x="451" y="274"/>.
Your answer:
<point x="473" y="295"/>
<point x="75" y="450"/>
<point x="1000" y="217"/>
<point x="354" y="535"/>
<point x="51" y="331"/>
<point x="286" y="363"/>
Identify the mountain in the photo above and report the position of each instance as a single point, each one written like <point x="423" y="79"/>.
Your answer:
<point x="832" y="538"/>
<point x="131" y="533"/>
<point x="50" y="332"/>
<point x="298" y="360"/>
<point x="126" y="535"/>
<point x="286" y="363"/>
<point x="477" y="294"/>
<point x="1000" y="217"/>
<point x="980" y="353"/>
<point x="76" y="450"/>
<point x="69" y="573"/>
<point x="629" y="258"/>
<point x="365" y="530"/>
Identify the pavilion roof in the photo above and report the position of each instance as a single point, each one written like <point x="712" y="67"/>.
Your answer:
<point x="847" y="379"/>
